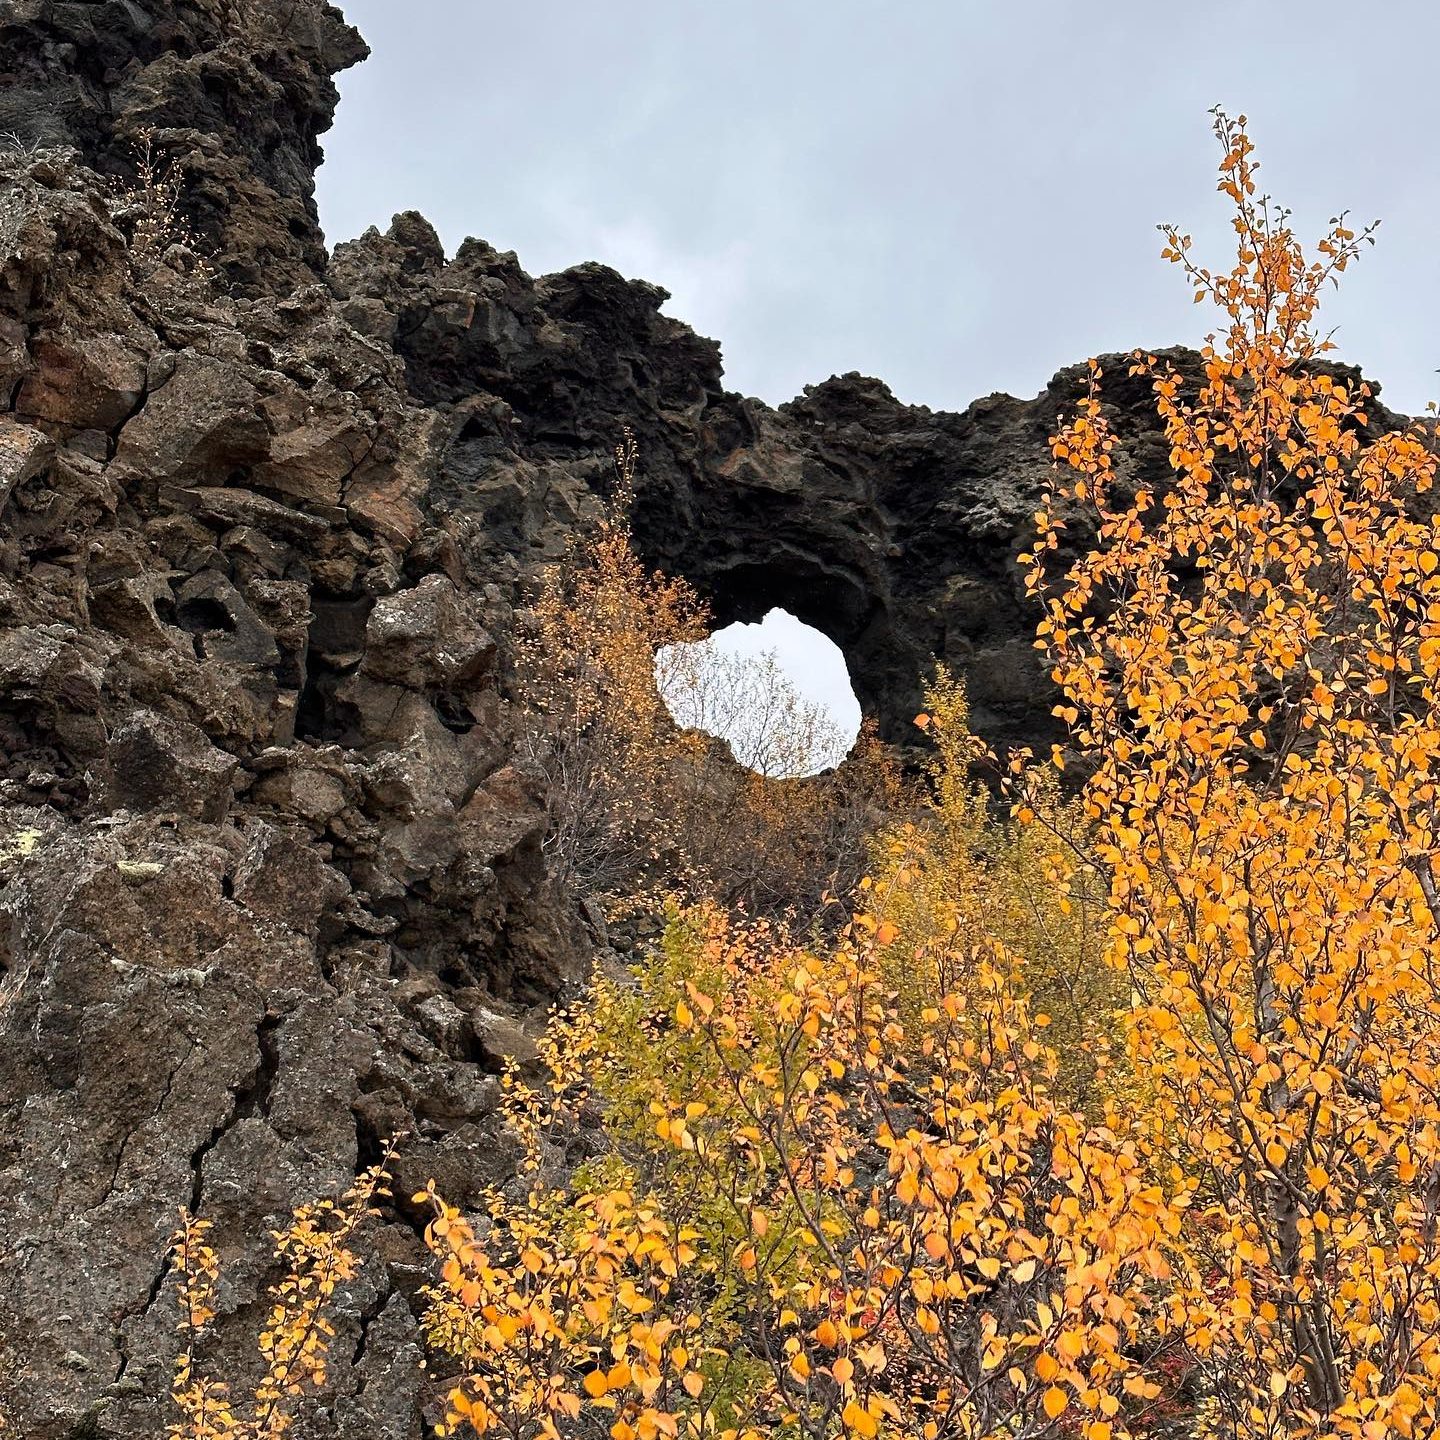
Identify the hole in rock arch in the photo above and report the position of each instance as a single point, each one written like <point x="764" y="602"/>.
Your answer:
<point x="778" y="692"/>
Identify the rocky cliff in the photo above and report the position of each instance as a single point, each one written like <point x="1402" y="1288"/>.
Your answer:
<point x="271" y="881"/>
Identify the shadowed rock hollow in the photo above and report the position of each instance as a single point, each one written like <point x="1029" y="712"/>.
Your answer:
<point x="271" y="880"/>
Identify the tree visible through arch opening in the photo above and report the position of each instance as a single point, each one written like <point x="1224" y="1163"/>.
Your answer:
<point x="777" y="692"/>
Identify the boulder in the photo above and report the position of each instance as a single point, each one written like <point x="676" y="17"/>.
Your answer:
<point x="24" y="452"/>
<point x="161" y="764"/>
<point x="202" y="420"/>
<point x="82" y="382"/>
<point x="428" y="637"/>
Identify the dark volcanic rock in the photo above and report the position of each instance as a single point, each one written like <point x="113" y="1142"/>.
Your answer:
<point x="272" y="885"/>
<point x="237" y="90"/>
<point x="427" y="638"/>
<point x="259" y="820"/>
<point x="168" y="765"/>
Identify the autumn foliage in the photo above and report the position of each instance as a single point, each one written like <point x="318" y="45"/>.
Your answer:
<point x="1112" y="1110"/>
<point x="1250" y="660"/>
<point x="601" y="734"/>
<point x="1113" y="1117"/>
<point x="818" y="1216"/>
<point x="316" y="1258"/>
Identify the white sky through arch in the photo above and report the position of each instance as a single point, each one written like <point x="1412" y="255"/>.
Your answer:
<point x="811" y="661"/>
<point x="728" y="690"/>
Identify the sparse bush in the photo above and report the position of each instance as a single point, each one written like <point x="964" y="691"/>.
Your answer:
<point x="315" y="1251"/>
<point x="149" y="205"/>
<point x="600" y="732"/>
<point x="26" y="148"/>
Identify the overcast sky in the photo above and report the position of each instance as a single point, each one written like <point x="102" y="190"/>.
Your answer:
<point x="959" y="197"/>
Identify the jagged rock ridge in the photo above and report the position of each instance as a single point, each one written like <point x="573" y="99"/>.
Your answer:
<point x="271" y="880"/>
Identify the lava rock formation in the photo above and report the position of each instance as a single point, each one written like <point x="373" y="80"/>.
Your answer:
<point x="271" y="877"/>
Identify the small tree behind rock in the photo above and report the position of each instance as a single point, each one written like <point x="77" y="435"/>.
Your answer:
<point x="641" y="803"/>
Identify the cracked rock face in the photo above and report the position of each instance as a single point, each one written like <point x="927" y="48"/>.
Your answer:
<point x="272" y="886"/>
<point x="271" y="883"/>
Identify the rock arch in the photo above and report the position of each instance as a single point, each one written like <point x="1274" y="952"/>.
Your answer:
<point x="271" y="873"/>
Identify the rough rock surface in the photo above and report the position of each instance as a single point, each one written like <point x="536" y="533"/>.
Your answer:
<point x="271" y="880"/>
<point x="238" y="89"/>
